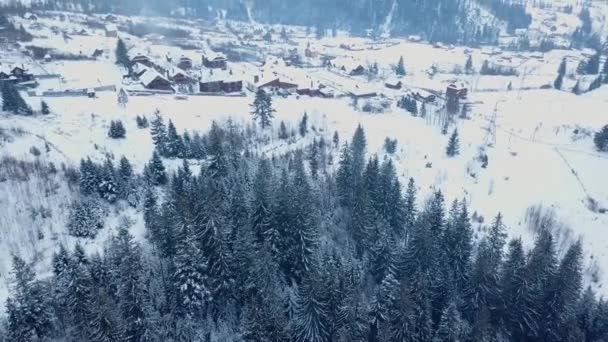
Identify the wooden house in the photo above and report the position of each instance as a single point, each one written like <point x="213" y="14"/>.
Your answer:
<point x="152" y="80"/>
<point x="215" y="62"/>
<point x="278" y="86"/>
<point x="456" y="91"/>
<point x="185" y="63"/>
<point x="111" y="30"/>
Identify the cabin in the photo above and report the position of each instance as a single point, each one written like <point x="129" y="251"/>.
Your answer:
<point x="16" y="75"/>
<point x="97" y="53"/>
<point x="178" y="76"/>
<point x="111" y="30"/>
<point x="145" y="60"/>
<point x="216" y="62"/>
<point x="456" y="91"/>
<point x="185" y="63"/>
<point x="152" y="80"/>
<point x="111" y="18"/>
<point x="357" y="71"/>
<point x="220" y="86"/>
<point x="277" y="86"/>
<point x="47" y="58"/>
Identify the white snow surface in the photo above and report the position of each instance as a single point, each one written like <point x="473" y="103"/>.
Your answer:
<point x="542" y="152"/>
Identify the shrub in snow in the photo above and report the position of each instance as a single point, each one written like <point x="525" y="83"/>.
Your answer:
<point x="86" y="218"/>
<point x="142" y="122"/>
<point x="601" y="139"/>
<point x="117" y="130"/>
<point x="35" y="151"/>
<point x="453" y="147"/>
<point x="390" y="145"/>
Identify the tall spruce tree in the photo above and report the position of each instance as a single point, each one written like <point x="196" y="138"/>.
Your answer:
<point x="262" y="110"/>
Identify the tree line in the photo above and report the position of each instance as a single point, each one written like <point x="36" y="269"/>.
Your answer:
<point x="282" y="248"/>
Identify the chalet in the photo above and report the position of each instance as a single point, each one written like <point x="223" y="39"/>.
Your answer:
<point x="414" y="38"/>
<point x="178" y="76"/>
<point x="152" y="80"/>
<point x="111" y="30"/>
<point x="394" y="85"/>
<point x="214" y="62"/>
<point x="16" y="75"/>
<point x="277" y="86"/>
<point x="310" y="53"/>
<point x="357" y="71"/>
<point x="185" y="63"/>
<point x="145" y="60"/>
<point x="111" y="18"/>
<point x="456" y="91"/>
<point x="97" y="53"/>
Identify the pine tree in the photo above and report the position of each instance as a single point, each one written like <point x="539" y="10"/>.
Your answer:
<point x="314" y="160"/>
<point x="156" y="170"/>
<point x="261" y="216"/>
<point x="122" y="58"/>
<point x="44" y="108"/>
<point x="158" y="131"/>
<point x="601" y="139"/>
<point x="453" y="148"/>
<point x="191" y="277"/>
<point x="469" y="64"/>
<point x="132" y="297"/>
<point x="79" y="300"/>
<point x="283" y="134"/>
<point x="310" y="318"/>
<point x="400" y="69"/>
<point x="29" y="314"/>
<point x="122" y="98"/>
<point x="174" y="142"/>
<point x="563" y="293"/>
<point x="12" y="100"/>
<point x="85" y="219"/>
<point x="451" y="327"/>
<point x="516" y="313"/>
<point x="262" y="109"/>
<point x="304" y="125"/>
<point x="117" y="130"/>
<point x="561" y="72"/>
<point x="336" y="139"/>
<point x="458" y="244"/>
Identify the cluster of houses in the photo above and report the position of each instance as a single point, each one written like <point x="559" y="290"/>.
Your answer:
<point x="16" y="75"/>
<point x="170" y="76"/>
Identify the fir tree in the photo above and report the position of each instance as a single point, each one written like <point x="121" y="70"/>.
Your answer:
<point x="44" y="108"/>
<point x="336" y="139"/>
<point x="400" y="69"/>
<point x="156" y="169"/>
<point x="29" y="314"/>
<point x="158" y="131"/>
<point x="314" y="160"/>
<point x="517" y="315"/>
<point x="191" y="277"/>
<point x="174" y="143"/>
<point x="469" y="64"/>
<point x="262" y="109"/>
<point x="12" y="100"/>
<point x="310" y="319"/>
<point x="261" y="218"/>
<point x="117" y="130"/>
<point x="304" y="125"/>
<point x="283" y="134"/>
<point x="122" y="58"/>
<point x="453" y="148"/>
<point x="601" y="139"/>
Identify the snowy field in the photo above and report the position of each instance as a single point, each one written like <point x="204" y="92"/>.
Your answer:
<point x="539" y="142"/>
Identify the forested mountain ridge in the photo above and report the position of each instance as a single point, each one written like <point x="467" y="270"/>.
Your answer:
<point x="448" y="21"/>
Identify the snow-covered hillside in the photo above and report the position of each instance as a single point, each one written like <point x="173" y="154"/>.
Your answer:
<point x="539" y="142"/>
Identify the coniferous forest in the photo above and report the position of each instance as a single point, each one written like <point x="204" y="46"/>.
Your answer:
<point x="294" y="247"/>
<point x="448" y="21"/>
